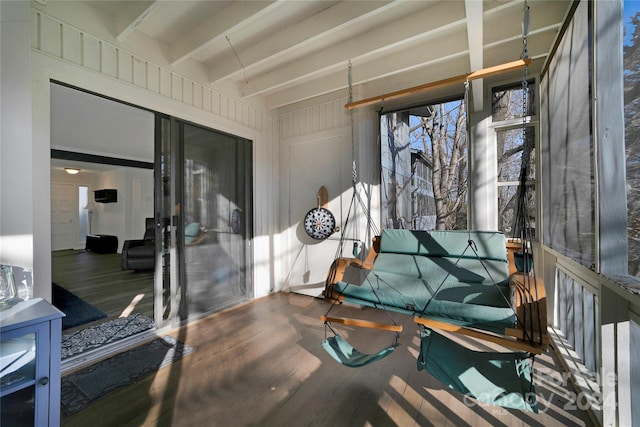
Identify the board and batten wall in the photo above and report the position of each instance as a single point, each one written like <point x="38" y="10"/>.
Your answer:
<point x="61" y="52"/>
<point x="318" y="134"/>
<point x="317" y="150"/>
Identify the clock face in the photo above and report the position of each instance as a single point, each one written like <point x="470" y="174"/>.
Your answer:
<point x="319" y="223"/>
<point x="235" y="221"/>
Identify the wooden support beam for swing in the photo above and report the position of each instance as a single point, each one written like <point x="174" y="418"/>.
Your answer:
<point x="362" y="323"/>
<point x="479" y="74"/>
<point x="481" y="335"/>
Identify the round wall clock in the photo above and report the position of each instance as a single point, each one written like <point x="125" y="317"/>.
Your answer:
<point x="235" y="221"/>
<point x="319" y="223"/>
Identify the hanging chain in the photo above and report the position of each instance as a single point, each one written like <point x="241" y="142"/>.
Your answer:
<point x="525" y="114"/>
<point x="525" y="78"/>
<point x="525" y="31"/>
<point x="526" y="232"/>
<point x="354" y="170"/>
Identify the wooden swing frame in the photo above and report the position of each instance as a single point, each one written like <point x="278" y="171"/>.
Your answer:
<point x="528" y="298"/>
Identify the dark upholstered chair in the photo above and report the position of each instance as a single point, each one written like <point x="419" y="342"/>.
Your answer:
<point x="140" y="254"/>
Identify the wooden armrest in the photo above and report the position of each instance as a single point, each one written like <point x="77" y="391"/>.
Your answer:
<point x="339" y="266"/>
<point x="505" y="341"/>
<point x="529" y="300"/>
<point x="336" y="273"/>
<point x="362" y="323"/>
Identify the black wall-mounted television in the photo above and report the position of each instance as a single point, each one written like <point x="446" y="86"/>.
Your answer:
<point x="105" y="196"/>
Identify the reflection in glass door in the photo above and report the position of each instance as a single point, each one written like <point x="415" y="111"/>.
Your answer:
<point x="207" y="196"/>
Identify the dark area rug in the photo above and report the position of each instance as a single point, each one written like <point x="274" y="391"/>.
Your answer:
<point x="105" y="333"/>
<point x="90" y="384"/>
<point x="78" y="311"/>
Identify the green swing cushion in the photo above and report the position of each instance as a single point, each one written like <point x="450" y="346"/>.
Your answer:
<point x="411" y="266"/>
<point x="348" y="356"/>
<point x="191" y="232"/>
<point x="502" y="379"/>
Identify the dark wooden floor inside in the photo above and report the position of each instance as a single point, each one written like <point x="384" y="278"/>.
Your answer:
<point x="261" y="364"/>
<point x="99" y="280"/>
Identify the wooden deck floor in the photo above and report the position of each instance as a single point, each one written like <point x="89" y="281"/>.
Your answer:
<point x="99" y="280"/>
<point x="261" y="364"/>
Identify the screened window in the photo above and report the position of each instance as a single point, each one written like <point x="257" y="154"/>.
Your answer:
<point x="568" y="172"/>
<point x="512" y="114"/>
<point x="509" y="102"/>
<point x="631" y="51"/>
<point x="424" y="167"/>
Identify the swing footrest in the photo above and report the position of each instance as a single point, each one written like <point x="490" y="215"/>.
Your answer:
<point x="362" y="323"/>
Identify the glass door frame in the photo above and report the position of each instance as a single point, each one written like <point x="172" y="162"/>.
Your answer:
<point x="170" y="270"/>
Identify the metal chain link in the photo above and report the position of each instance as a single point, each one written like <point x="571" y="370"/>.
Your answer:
<point x="354" y="170"/>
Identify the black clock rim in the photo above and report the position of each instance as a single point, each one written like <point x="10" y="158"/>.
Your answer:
<point x="325" y="211"/>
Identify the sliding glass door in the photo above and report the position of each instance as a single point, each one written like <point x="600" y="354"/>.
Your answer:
<point x="204" y="201"/>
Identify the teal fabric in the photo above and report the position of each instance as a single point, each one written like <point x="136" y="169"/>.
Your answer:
<point x="407" y="292"/>
<point x="502" y="379"/>
<point x="475" y="316"/>
<point x="348" y="356"/>
<point x="191" y="231"/>
<point x="435" y="269"/>
<point x="412" y="266"/>
<point x="451" y="243"/>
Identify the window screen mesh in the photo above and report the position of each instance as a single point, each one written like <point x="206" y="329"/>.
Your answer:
<point x="567" y="146"/>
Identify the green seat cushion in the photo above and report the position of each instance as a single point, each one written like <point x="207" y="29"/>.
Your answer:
<point x="346" y="355"/>
<point x="435" y="269"/>
<point x="488" y="244"/>
<point x="502" y="379"/>
<point x="483" y="306"/>
<point x="191" y="231"/>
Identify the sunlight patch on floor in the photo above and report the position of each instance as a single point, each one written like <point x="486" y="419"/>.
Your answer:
<point x="132" y="305"/>
<point x="395" y="411"/>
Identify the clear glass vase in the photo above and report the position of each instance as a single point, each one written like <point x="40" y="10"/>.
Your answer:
<point x="8" y="290"/>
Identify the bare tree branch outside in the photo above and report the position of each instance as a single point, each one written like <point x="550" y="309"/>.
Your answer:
<point x="441" y="134"/>
<point x="436" y="137"/>
<point x="632" y="136"/>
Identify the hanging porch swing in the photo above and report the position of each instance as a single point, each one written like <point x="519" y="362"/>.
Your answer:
<point x="462" y="282"/>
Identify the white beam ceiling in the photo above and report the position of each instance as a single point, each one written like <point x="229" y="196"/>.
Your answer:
<point x="131" y="15"/>
<point x="280" y="52"/>
<point x="475" y="40"/>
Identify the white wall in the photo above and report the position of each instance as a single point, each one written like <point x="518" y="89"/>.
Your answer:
<point x="317" y="150"/>
<point x="319" y="130"/>
<point x="126" y="218"/>
<point x="82" y="60"/>
<point x="117" y="218"/>
<point x="16" y="155"/>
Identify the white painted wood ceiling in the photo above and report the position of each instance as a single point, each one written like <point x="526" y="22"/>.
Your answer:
<point x="279" y="52"/>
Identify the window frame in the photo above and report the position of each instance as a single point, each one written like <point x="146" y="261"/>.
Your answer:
<point x="517" y="123"/>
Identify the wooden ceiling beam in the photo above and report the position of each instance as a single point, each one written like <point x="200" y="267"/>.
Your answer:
<point x="479" y="74"/>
